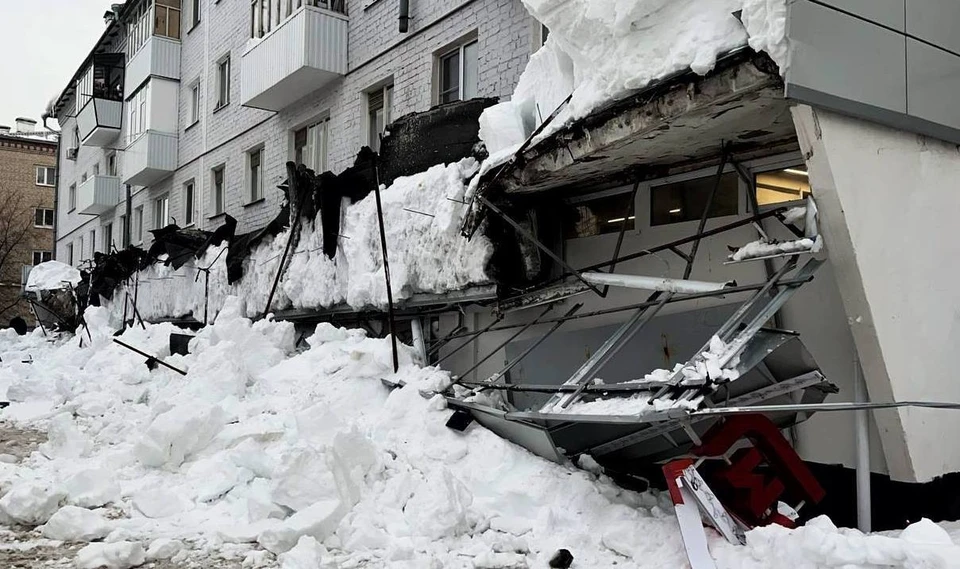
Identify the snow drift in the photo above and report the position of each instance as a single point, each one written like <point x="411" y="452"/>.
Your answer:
<point x="302" y="458"/>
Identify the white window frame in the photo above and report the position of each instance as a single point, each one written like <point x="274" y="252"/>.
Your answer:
<point x="218" y="194"/>
<point x="223" y="82"/>
<point x="189" y="203"/>
<point x="255" y="180"/>
<point x="93" y="240"/>
<point x="43" y="217"/>
<point x="49" y="176"/>
<point x="196" y="98"/>
<point x="161" y="211"/>
<point x="72" y="198"/>
<point x="195" y="13"/>
<point x="112" y="164"/>
<point x="317" y="147"/>
<point x="139" y="117"/>
<point x="70" y="255"/>
<point x="386" y="93"/>
<point x="460" y="51"/>
<point x="138" y="223"/>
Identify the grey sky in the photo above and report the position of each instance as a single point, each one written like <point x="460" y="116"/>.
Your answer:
<point x="42" y="43"/>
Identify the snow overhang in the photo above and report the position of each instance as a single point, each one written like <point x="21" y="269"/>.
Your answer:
<point x="674" y="126"/>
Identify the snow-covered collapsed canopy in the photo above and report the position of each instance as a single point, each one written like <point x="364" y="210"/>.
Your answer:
<point x="52" y="275"/>
<point x="599" y="51"/>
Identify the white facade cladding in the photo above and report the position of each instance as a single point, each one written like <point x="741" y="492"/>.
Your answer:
<point x="99" y="194"/>
<point x="184" y="126"/>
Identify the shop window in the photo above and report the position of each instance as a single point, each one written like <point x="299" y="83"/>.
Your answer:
<point x="685" y="201"/>
<point x="597" y="216"/>
<point x="780" y="186"/>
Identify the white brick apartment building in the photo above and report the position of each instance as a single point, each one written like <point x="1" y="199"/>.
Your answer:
<point x="198" y="104"/>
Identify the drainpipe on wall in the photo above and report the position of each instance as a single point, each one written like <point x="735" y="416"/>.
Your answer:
<point x="129" y="213"/>
<point x="56" y="188"/>
<point x="404" y="16"/>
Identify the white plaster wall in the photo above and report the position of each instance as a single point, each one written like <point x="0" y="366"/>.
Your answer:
<point x="890" y="201"/>
<point x="162" y="102"/>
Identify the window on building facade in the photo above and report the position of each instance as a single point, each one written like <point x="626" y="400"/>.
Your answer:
<point x="138" y="224"/>
<point x="80" y="250"/>
<point x="112" y="164"/>
<point x="46" y="176"/>
<point x="43" y="217"/>
<point x="161" y="212"/>
<point x="459" y="73"/>
<point x="266" y="15"/>
<point x="93" y="242"/>
<point x="108" y="238"/>
<point x="310" y="146"/>
<point x="70" y="253"/>
<point x="137" y="108"/>
<point x="379" y="108"/>
<point x="41" y="257"/>
<point x="189" y="216"/>
<point x="72" y="197"/>
<point x="223" y="83"/>
<point x="597" y="216"/>
<point x="194" y="12"/>
<point x="138" y="31"/>
<point x="96" y="169"/>
<point x="167" y="19"/>
<point x="218" y="201"/>
<point x="195" y="103"/>
<point x="255" y="174"/>
<point x="124" y="232"/>
<point x="685" y="201"/>
<point x="780" y="186"/>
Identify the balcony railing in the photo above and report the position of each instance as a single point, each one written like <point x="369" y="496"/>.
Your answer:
<point x="302" y="54"/>
<point x="98" y="195"/>
<point x="150" y="158"/>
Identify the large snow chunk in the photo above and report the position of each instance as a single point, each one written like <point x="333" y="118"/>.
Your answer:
<point x="91" y="488"/>
<point x="64" y="439"/>
<point x="176" y="434"/>
<point x="163" y="548"/>
<point x="119" y="555"/>
<point x="31" y="503"/>
<point x="71" y="523"/>
<point x="161" y="503"/>
<point x="52" y="275"/>
<point x="307" y="554"/>
<point x="440" y="507"/>
<point x="318" y="521"/>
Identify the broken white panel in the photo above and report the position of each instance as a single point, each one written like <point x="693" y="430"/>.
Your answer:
<point x="654" y="283"/>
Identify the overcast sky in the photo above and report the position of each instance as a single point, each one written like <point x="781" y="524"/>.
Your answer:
<point x="42" y="43"/>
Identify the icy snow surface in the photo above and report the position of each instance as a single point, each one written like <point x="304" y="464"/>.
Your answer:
<point x="52" y="275"/>
<point x="305" y="460"/>
<point x="602" y="50"/>
<point x="764" y="248"/>
<point x="427" y="254"/>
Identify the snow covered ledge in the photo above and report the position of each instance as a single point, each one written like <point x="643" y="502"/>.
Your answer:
<point x="888" y="205"/>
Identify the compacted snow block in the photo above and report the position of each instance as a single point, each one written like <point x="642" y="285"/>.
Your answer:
<point x="177" y="433"/>
<point x="119" y="555"/>
<point x="31" y="503"/>
<point x="92" y="488"/>
<point x="71" y="523"/>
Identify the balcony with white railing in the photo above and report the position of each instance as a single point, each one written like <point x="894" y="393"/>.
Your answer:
<point x="98" y="195"/>
<point x="100" y="99"/>
<point x="303" y="53"/>
<point x="150" y="157"/>
<point x="158" y="56"/>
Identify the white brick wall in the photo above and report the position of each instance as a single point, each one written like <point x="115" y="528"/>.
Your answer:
<point x="376" y="51"/>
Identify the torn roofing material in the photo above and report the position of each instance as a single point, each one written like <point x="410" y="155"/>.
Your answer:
<point x="670" y="127"/>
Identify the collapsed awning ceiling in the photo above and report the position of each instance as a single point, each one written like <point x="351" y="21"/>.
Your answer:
<point x="674" y="126"/>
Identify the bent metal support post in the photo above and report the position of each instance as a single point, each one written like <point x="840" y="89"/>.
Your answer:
<point x="149" y="357"/>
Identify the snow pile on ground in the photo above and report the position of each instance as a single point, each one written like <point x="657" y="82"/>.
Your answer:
<point x="52" y="275"/>
<point x="767" y="248"/>
<point x="427" y="254"/>
<point x="273" y="457"/>
<point x="601" y="51"/>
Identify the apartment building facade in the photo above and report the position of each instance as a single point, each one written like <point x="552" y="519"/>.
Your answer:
<point x="27" y="180"/>
<point x="192" y="108"/>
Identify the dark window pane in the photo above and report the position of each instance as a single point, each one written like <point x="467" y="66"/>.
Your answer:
<point x="450" y="77"/>
<point x="685" y="201"/>
<point x="597" y="217"/>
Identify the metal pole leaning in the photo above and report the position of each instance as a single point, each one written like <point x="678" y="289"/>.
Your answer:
<point x="386" y="272"/>
<point x="149" y="357"/>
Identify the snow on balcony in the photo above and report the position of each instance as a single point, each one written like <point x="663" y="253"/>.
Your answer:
<point x="301" y="55"/>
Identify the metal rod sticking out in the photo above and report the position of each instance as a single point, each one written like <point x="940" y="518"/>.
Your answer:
<point x="294" y="227"/>
<point x="473" y="336"/>
<point x="149" y="357"/>
<point x="386" y="271"/>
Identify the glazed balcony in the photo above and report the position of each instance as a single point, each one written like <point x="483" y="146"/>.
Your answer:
<point x="98" y="195"/>
<point x="305" y="52"/>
